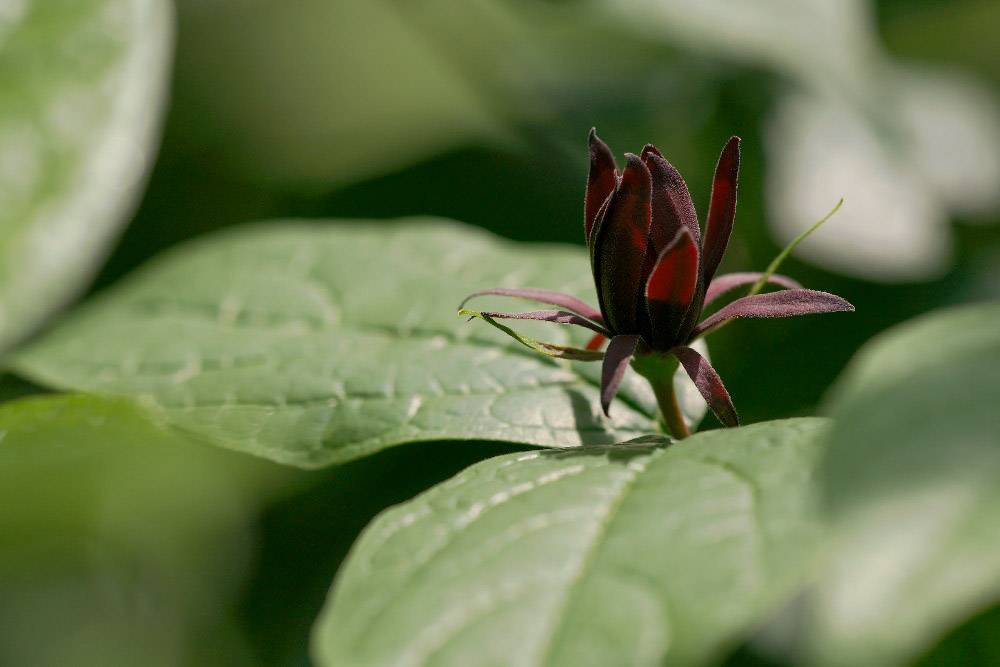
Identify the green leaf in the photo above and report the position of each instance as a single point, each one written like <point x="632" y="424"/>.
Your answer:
<point x="312" y="344"/>
<point x="913" y="479"/>
<point x="82" y="83"/>
<point x="632" y="554"/>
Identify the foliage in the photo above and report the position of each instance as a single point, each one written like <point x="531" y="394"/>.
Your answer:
<point x="637" y="553"/>
<point x="493" y="513"/>
<point x="76" y="136"/>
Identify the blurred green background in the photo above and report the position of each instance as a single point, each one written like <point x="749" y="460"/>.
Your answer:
<point x="479" y="110"/>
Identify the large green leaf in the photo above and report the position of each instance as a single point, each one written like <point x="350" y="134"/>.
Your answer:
<point x="317" y="343"/>
<point x="632" y="554"/>
<point x="913" y="478"/>
<point x="81" y="86"/>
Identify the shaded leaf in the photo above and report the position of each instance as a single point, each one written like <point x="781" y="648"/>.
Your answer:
<point x="100" y="508"/>
<point x="913" y="479"/>
<point x="630" y="554"/>
<point x="82" y="83"/>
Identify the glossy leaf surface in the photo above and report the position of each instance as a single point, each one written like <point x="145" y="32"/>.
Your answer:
<point x="633" y="554"/>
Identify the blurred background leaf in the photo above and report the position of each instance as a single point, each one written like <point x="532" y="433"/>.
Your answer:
<point x="82" y="83"/>
<point x="904" y="146"/>
<point x="121" y="543"/>
<point x="913" y="484"/>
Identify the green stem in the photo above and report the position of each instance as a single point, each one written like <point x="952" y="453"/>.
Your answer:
<point x="666" y="397"/>
<point x="659" y="369"/>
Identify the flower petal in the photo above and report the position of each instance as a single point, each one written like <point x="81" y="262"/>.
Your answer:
<point x="600" y="181"/>
<point x="672" y="209"/>
<point x="709" y="384"/>
<point x="776" y="304"/>
<point x="570" y="303"/>
<point x="549" y="349"/>
<point x="598" y="223"/>
<point x="620" y="247"/>
<point x="596" y="342"/>
<point x="671" y="202"/>
<point x="721" y="209"/>
<point x="671" y="288"/>
<point x="558" y="316"/>
<point x="616" y="360"/>
<point x="722" y="284"/>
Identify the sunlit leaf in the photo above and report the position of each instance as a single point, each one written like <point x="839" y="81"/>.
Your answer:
<point x="81" y="87"/>
<point x="317" y="343"/>
<point x="632" y="554"/>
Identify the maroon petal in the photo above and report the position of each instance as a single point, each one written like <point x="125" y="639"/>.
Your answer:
<point x="728" y="281"/>
<point x="672" y="209"/>
<point x="671" y="203"/>
<point x="776" y="304"/>
<point x="616" y="360"/>
<point x="570" y="303"/>
<point x="596" y="342"/>
<point x="600" y="182"/>
<point x="620" y="247"/>
<point x="709" y="384"/>
<point x="598" y="223"/>
<point x="671" y="288"/>
<point x="647" y="149"/>
<point x="558" y="316"/>
<point x="721" y="209"/>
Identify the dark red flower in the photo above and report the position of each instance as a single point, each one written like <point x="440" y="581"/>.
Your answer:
<point x="655" y="272"/>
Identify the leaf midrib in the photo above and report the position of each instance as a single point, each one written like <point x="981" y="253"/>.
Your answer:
<point x="597" y="544"/>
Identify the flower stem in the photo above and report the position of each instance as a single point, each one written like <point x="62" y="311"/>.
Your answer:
<point x="659" y="369"/>
<point x="666" y="397"/>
